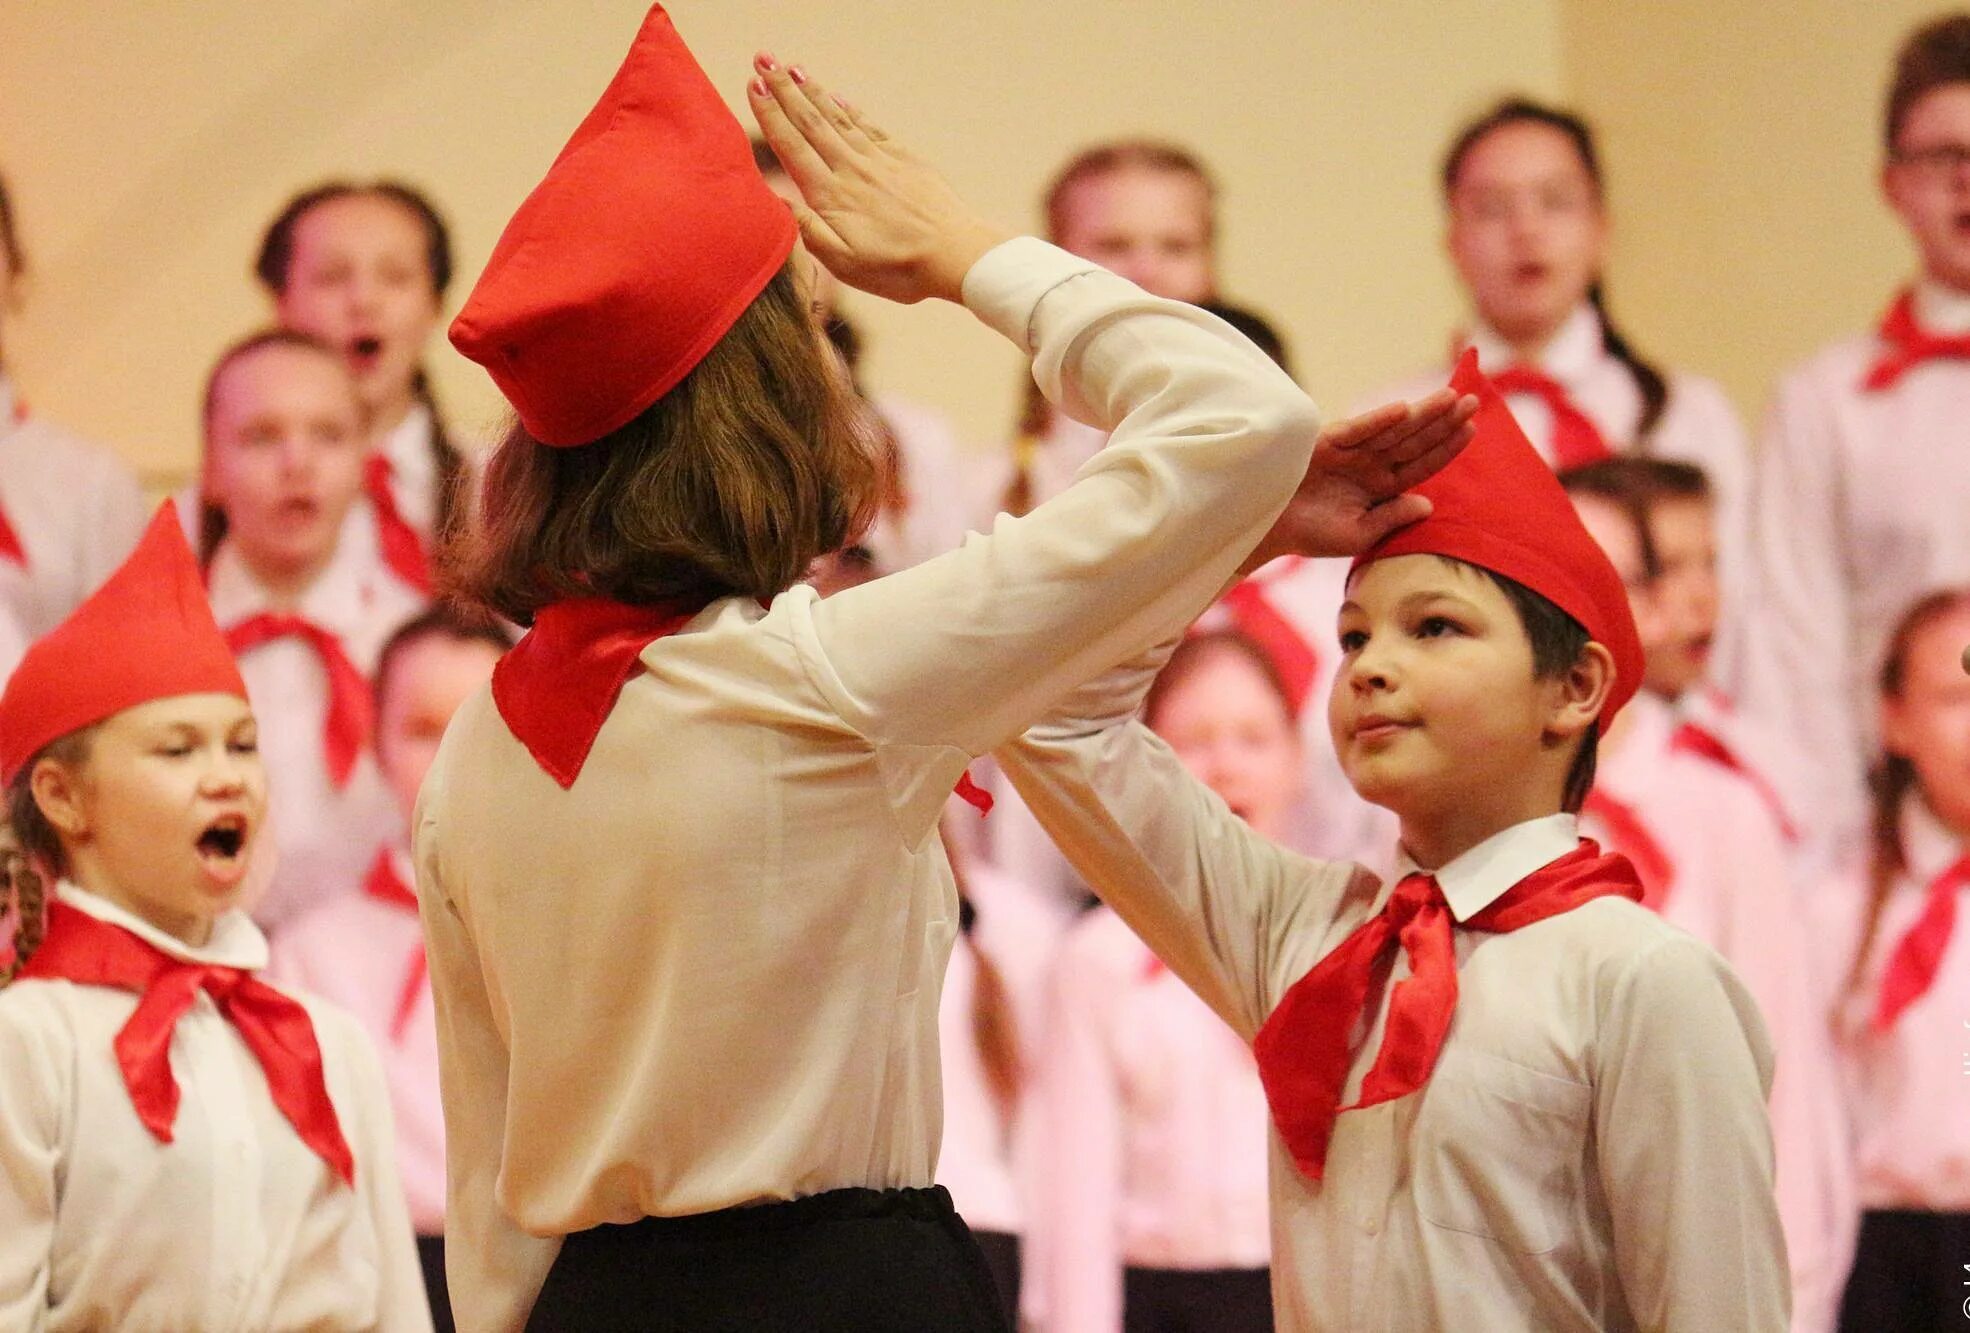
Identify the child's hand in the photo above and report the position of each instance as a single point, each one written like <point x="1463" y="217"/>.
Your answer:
<point x="876" y="215"/>
<point x="1353" y="494"/>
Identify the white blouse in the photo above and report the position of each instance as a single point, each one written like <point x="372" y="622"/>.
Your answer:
<point x="707" y="973"/>
<point x="235" y="1226"/>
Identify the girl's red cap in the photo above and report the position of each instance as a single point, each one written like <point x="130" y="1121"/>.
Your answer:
<point x="647" y="239"/>
<point x="147" y="633"/>
<point x="1499" y="507"/>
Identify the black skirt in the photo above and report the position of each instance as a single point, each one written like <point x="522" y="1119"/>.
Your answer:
<point x="847" y="1261"/>
<point x="1203" y="1300"/>
<point x="1909" y="1274"/>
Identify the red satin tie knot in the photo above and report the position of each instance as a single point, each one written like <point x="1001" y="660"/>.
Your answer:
<point x="346" y="728"/>
<point x="1905" y="345"/>
<point x="402" y="549"/>
<point x="1576" y="439"/>
<point x="1918" y="955"/>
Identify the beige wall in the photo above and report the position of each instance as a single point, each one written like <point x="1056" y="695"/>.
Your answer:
<point x="148" y="141"/>
<point x="1743" y="140"/>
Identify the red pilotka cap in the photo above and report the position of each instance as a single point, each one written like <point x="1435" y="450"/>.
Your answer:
<point x="648" y="238"/>
<point x="1498" y="506"/>
<point x="147" y="633"/>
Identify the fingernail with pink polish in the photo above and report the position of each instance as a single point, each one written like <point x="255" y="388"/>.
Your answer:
<point x="798" y="74"/>
<point x="765" y="61"/>
<point x="758" y="87"/>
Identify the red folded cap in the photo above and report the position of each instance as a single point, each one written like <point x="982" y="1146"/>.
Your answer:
<point x="648" y="238"/>
<point x="1498" y="506"/>
<point x="146" y="634"/>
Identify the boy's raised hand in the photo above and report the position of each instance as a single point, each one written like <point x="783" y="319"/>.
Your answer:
<point x="1353" y="493"/>
<point x="879" y="217"/>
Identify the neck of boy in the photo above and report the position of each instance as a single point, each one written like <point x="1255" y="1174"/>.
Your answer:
<point x="1435" y="840"/>
<point x="87" y="873"/>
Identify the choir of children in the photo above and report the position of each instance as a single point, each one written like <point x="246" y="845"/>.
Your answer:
<point x="1640" y="1005"/>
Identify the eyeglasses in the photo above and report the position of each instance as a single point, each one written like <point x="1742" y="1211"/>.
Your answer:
<point x="1943" y="160"/>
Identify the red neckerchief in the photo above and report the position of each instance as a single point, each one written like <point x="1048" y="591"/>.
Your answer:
<point x="1303" y="1048"/>
<point x="82" y="949"/>
<point x="1906" y="345"/>
<point x="1254" y="615"/>
<point x="1576" y="439"/>
<point x="1630" y="835"/>
<point x="11" y="549"/>
<point x="1697" y="739"/>
<point x="385" y="886"/>
<point x="1912" y="967"/>
<point x="346" y="728"/>
<point x="403" y="550"/>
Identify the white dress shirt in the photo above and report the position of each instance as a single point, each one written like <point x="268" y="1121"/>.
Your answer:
<point x="1860" y="506"/>
<point x="324" y="837"/>
<point x="1152" y="1133"/>
<point x="235" y="1226"/>
<point x="1592" y="1151"/>
<point x="1733" y="890"/>
<point x="1905" y="1087"/>
<point x="77" y="510"/>
<point x="358" y="953"/>
<point x="706" y="974"/>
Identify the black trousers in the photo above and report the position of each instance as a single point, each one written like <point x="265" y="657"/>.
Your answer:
<point x="1909" y="1274"/>
<point x="1001" y="1251"/>
<point x="431" y="1258"/>
<point x="1206" y="1300"/>
<point x="847" y="1261"/>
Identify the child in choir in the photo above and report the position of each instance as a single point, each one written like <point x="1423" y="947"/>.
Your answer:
<point x="365" y="951"/>
<point x="70" y="510"/>
<point x="1151" y="1200"/>
<point x="1528" y="234"/>
<point x="1712" y="860"/>
<point x="1503" y="1094"/>
<point x="305" y="607"/>
<point x="365" y="269"/>
<point x="1900" y="963"/>
<point x="182" y="1144"/>
<point x="1861" y="488"/>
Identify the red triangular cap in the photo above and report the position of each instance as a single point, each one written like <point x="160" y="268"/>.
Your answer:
<point x="146" y="634"/>
<point x="1498" y="506"/>
<point x="650" y="235"/>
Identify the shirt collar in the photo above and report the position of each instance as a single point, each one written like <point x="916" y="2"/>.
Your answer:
<point x="1941" y="310"/>
<point x="1572" y="351"/>
<point x="1479" y="877"/>
<point x="236" y="941"/>
<point x="1929" y="846"/>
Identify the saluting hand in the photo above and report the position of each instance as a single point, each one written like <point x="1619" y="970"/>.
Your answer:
<point x="1354" y="491"/>
<point x="876" y="215"/>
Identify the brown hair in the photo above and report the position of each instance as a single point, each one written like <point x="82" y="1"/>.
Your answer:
<point x="33" y="854"/>
<point x="1092" y="162"/>
<point x="211" y="517"/>
<point x="1197" y="652"/>
<point x="276" y="257"/>
<point x="11" y="254"/>
<point x="730" y="484"/>
<point x="1934" y="55"/>
<point x="1892" y="780"/>
<point x="1524" y="111"/>
<point x="993" y="1030"/>
<point x="1636" y="486"/>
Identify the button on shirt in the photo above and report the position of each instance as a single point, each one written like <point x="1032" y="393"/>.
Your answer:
<point x="235" y="1226"/>
<point x="1592" y="1151"/>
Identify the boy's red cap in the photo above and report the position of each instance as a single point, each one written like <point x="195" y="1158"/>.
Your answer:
<point x="648" y="238"/>
<point x="1498" y="506"/>
<point x="146" y="634"/>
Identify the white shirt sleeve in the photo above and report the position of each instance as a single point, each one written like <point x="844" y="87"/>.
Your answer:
<point x="1209" y="440"/>
<point x="1685" y="1147"/>
<point x="32" y="1077"/>
<point x="1208" y="895"/>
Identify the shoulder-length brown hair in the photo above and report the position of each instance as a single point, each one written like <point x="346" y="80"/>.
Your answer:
<point x="760" y="460"/>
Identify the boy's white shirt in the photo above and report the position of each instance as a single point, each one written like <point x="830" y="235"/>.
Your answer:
<point x="323" y="837"/>
<point x="1527" y="1185"/>
<point x="1858" y="509"/>
<point x="78" y="512"/>
<point x="747" y="870"/>
<point x="236" y="1226"/>
<point x="1905" y="1087"/>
